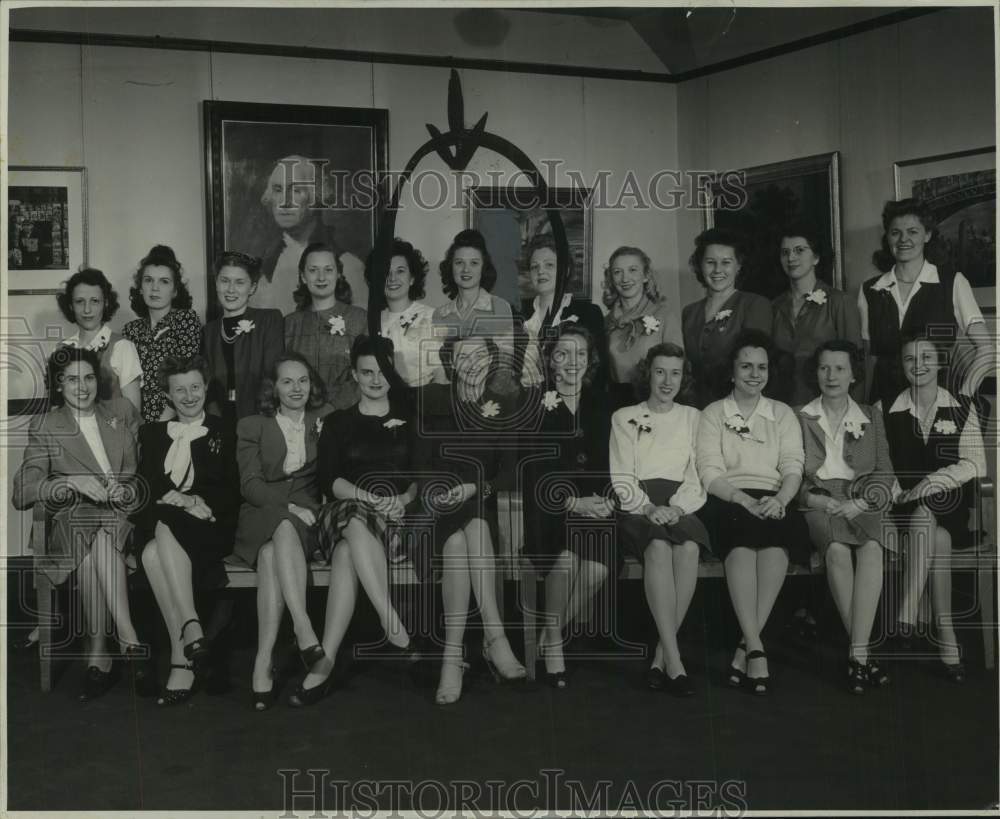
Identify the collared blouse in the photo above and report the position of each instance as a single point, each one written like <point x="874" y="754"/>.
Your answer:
<point x="834" y="466"/>
<point x="118" y="355"/>
<point x="294" y="433"/>
<point x="417" y="347"/>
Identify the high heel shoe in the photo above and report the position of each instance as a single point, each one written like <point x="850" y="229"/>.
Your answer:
<point x="554" y="679"/>
<point x="177" y="696"/>
<point x="757" y="685"/>
<point x="857" y="677"/>
<point x="955" y="672"/>
<point x="263" y="700"/>
<point x="878" y="677"/>
<point x="97" y="683"/>
<point x="302" y="696"/>
<point x="737" y="675"/>
<point x="506" y="669"/>
<point x="451" y="692"/>
<point x="139" y="660"/>
<point x="312" y="655"/>
<point x="197" y="651"/>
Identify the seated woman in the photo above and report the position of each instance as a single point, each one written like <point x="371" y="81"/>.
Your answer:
<point x="937" y="449"/>
<point x="570" y="486"/>
<point x="463" y="428"/>
<point x="541" y="263"/>
<point x="186" y="527"/>
<point x="276" y="451"/>
<point x="89" y="302"/>
<point x="847" y="486"/>
<point x="80" y="463"/>
<point x="654" y="475"/>
<point x="325" y="325"/>
<point x="407" y="322"/>
<point x="167" y="326"/>
<point x="638" y="319"/>
<point x="750" y="461"/>
<point x="363" y="458"/>
<point x="241" y="345"/>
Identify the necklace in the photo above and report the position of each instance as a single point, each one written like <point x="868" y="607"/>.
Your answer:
<point x="229" y="339"/>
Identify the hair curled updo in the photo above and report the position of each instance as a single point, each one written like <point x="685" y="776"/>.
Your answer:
<point x="159" y="256"/>
<point x="475" y="240"/>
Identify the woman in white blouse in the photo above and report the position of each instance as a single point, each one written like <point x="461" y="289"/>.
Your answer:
<point x="406" y="321"/>
<point x="750" y="462"/>
<point x="276" y="533"/>
<point x="848" y="484"/>
<point x="653" y="473"/>
<point x="937" y="449"/>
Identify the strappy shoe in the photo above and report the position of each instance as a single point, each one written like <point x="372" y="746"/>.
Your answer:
<point x="757" y="685"/>
<point x="737" y="675"/>
<point x="878" y="677"/>
<point x="857" y="677"/>
<point x="554" y="679"/>
<point x="448" y="693"/>
<point x="177" y="696"/>
<point x="505" y="669"/>
<point x="197" y="651"/>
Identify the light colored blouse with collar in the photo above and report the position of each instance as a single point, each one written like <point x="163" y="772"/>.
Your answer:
<point x="417" y="348"/>
<point x="834" y="466"/>
<point x="759" y="458"/>
<point x="92" y="435"/>
<point x="647" y="445"/>
<point x="294" y="433"/>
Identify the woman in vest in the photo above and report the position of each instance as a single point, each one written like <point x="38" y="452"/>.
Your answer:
<point x="89" y="302"/>
<point x="937" y="450"/>
<point x="914" y="297"/>
<point x="242" y="344"/>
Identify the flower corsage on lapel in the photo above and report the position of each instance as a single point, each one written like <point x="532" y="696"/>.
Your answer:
<point x="551" y="400"/>
<point x="215" y="444"/>
<point x="721" y="320"/>
<point x="112" y="422"/>
<point x="945" y="427"/>
<point x="737" y="423"/>
<point x="408" y="318"/>
<point x="854" y="429"/>
<point x="317" y="428"/>
<point x="642" y="423"/>
<point x="650" y="325"/>
<point x="817" y="296"/>
<point x="489" y="409"/>
<point x="394" y="423"/>
<point x="245" y="326"/>
<point x="337" y="325"/>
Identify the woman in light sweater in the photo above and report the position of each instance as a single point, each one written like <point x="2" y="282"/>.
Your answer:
<point x="750" y="459"/>
<point x="653" y="473"/>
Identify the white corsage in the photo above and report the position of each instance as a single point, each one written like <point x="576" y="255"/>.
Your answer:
<point x="721" y="319"/>
<point x="944" y="427"/>
<point x="113" y="422"/>
<point x="854" y="429"/>
<point x="650" y="324"/>
<point x="392" y="423"/>
<point x="408" y="319"/>
<point x="490" y="409"/>
<point x="816" y="296"/>
<point x="244" y="326"/>
<point x="318" y="427"/>
<point x="551" y="400"/>
<point x="337" y="325"/>
<point x="642" y="424"/>
<point x="215" y="445"/>
<point x="737" y="423"/>
<point x="573" y="318"/>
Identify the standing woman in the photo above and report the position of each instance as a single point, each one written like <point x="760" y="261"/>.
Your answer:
<point x="467" y="278"/>
<point x="241" y="345"/>
<point x="848" y="483"/>
<point x="89" y="302"/>
<point x="167" y="326"/>
<point x="808" y="314"/>
<point x="937" y="449"/>
<point x="363" y="464"/>
<point x="639" y="318"/>
<point x="712" y="324"/>
<point x="566" y="488"/>
<point x="407" y="322"/>
<point x="914" y="297"/>
<point x="276" y="534"/>
<point x="186" y="528"/>
<point x="324" y="326"/>
<point x="653" y="464"/>
<point x="465" y="425"/>
<point x="750" y="461"/>
<point x="541" y="262"/>
<point x="80" y="464"/>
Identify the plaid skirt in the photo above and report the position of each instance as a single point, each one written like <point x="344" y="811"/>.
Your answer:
<point x="333" y="518"/>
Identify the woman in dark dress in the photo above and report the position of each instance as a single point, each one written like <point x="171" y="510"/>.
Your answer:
<point x="711" y="324"/>
<point x="847" y="486"/>
<point x="241" y="345"/>
<point x="465" y="428"/>
<point x="276" y="533"/>
<point x="186" y="528"/>
<point x="653" y="469"/>
<point x="363" y="463"/>
<point x="937" y="449"/>
<point x="568" y="487"/>
<point x="541" y="265"/>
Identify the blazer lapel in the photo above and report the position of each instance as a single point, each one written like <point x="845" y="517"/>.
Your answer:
<point x="73" y="444"/>
<point x="244" y="347"/>
<point x="312" y="436"/>
<point x="112" y="432"/>
<point x="276" y="444"/>
<point x="812" y="424"/>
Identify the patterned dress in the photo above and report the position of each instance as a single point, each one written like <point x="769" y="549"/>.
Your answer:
<point x="178" y="333"/>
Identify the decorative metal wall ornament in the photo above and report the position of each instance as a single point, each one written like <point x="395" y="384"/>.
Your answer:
<point x="456" y="147"/>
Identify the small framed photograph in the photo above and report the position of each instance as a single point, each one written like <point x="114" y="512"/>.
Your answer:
<point x="47" y="227"/>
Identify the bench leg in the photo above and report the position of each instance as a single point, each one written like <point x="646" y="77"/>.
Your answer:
<point x="529" y="611"/>
<point x="987" y="607"/>
<point x="45" y="592"/>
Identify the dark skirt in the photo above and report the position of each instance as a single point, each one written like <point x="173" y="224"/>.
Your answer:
<point x="205" y="542"/>
<point x="427" y="547"/>
<point x="257" y="525"/>
<point x="825" y="529"/>
<point x="950" y="510"/>
<point x="636" y="531"/>
<point x="732" y="526"/>
<point x="554" y="533"/>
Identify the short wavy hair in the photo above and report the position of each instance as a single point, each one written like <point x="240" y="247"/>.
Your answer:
<point x="341" y="288"/>
<point x="371" y="345"/>
<point x="835" y="345"/>
<point x="268" y="401"/>
<point x="244" y="261"/>
<point x="718" y="236"/>
<point x="640" y="378"/>
<point x="941" y="347"/>
<point x="751" y="338"/>
<point x="95" y="278"/>
<point x="817" y="244"/>
<point x="473" y="239"/>
<point x="567" y="330"/>
<point x="414" y="260"/>
<point x="159" y="256"/>
<point x="447" y="354"/>
<point x="178" y="365"/>
<point x="883" y="258"/>
<point x="610" y="295"/>
<point x="545" y="241"/>
<point x="62" y="358"/>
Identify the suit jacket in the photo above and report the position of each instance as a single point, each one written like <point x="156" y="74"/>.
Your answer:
<point x="253" y="355"/>
<point x="260" y="452"/>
